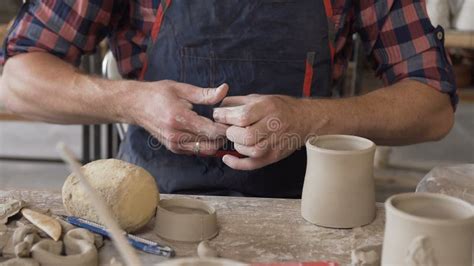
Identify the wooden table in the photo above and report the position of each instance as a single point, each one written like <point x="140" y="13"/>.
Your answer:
<point x="251" y="230"/>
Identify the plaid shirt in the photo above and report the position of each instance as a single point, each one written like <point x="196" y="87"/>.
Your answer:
<point x="396" y="34"/>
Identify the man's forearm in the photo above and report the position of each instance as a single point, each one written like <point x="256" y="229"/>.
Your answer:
<point x="42" y="87"/>
<point x="405" y="113"/>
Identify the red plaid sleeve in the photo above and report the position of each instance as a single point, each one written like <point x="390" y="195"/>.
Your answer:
<point x="403" y="44"/>
<point x="66" y="29"/>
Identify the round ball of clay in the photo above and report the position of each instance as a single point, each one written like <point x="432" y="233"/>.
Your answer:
<point x="129" y="190"/>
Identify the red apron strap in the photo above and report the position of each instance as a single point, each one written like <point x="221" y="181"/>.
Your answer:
<point x="328" y="7"/>
<point x="308" y="76"/>
<point x="332" y="30"/>
<point x="332" y="50"/>
<point x="155" y="30"/>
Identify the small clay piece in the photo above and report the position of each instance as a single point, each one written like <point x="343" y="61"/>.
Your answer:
<point x="427" y="229"/>
<point x="20" y="262"/>
<point x="9" y="209"/>
<point x="46" y="223"/>
<point x="204" y="250"/>
<point x="74" y="237"/>
<point x="55" y="247"/>
<point x="65" y="226"/>
<point x="366" y="256"/>
<point x="21" y="232"/>
<point x="129" y="190"/>
<point x="187" y="220"/>
<point x="8" y="250"/>
<point x="22" y="222"/>
<point x="79" y="247"/>
<point x="339" y="189"/>
<point x="98" y="241"/>
<point x="3" y="236"/>
<point x="202" y="262"/>
<point x="22" y="249"/>
<point x="23" y="239"/>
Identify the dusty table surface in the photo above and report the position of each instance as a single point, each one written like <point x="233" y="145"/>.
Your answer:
<point x="251" y="230"/>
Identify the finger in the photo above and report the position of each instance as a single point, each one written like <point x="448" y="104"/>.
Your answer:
<point x="206" y="148"/>
<point x="200" y="126"/>
<point x="198" y="95"/>
<point x="246" y="164"/>
<point x="238" y="100"/>
<point x="247" y="136"/>
<point x="160" y="140"/>
<point x="175" y="136"/>
<point x="242" y="116"/>
<point x="256" y="151"/>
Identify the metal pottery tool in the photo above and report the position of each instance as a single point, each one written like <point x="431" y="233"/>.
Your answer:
<point x="117" y="234"/>
<point x="139" y="243"/>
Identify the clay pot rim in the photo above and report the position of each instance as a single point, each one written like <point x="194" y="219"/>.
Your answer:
<point x="190" y="221"/>
<point x="436" y="221"/>
<point x="311" y="146"/>
<point x="191" y="203"/>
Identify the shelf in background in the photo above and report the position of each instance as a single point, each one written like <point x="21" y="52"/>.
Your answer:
<point x="459" y="39"/>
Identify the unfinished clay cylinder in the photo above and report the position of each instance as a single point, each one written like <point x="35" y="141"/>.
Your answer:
<point x="428" y="229"/>
<point x="339" y="190"/>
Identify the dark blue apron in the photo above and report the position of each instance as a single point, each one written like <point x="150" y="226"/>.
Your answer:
<point x="255" y="46"/>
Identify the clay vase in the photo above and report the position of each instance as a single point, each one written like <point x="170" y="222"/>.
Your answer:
<point x="428" y="229"/>
<point x="339" y="190"/>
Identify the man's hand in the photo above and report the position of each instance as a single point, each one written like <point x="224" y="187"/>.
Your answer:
<point x="164" y="108"/>
<point x="59" y="93"/>
<point x="266" y="128"/>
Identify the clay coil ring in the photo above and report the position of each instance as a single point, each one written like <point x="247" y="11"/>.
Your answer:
<point x="186" y="220"/>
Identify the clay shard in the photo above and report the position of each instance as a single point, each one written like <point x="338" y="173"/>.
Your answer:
<point x="204" y="250"/>
<point x="46" y="223"/>
<point x="79" y="245"/>
<point x="10" y="208"/>
<point x="20" y="262"/>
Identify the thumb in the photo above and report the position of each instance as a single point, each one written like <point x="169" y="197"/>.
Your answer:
<point x="208" y="96"/>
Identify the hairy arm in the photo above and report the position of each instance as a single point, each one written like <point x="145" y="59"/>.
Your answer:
<point x="405" y="113"/>
<point x="42" y="87"/>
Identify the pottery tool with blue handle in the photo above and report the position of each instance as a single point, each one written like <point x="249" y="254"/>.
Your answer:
<point x="139" y="243"/>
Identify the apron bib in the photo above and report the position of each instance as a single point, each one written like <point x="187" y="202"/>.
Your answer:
<point x="255" y="46"/>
